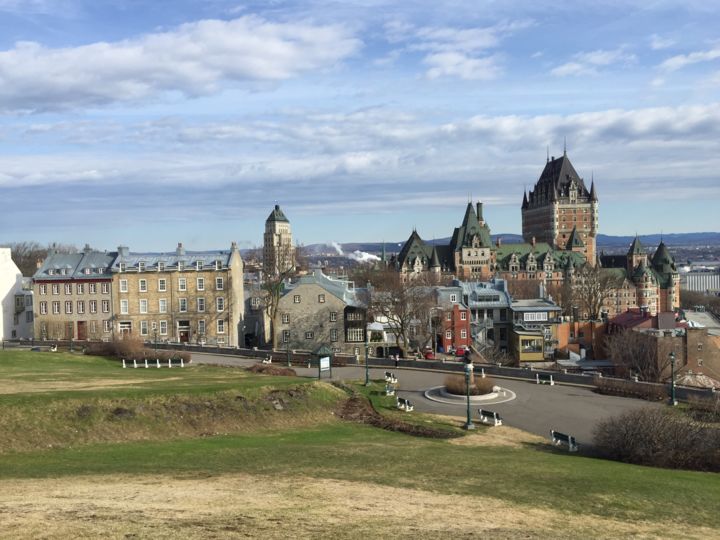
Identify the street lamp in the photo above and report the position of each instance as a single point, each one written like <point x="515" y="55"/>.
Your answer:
<point x="468" y="371"/>
<point x="673" y="401"/>
<point x="367" y="355"/>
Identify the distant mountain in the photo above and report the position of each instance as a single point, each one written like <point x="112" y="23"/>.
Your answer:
<point x="603" y="240"/>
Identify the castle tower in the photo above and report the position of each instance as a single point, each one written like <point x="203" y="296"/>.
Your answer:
<point x="278" y="249"/>
<point x="635" y="255"/>
<point x="559" y="203"/>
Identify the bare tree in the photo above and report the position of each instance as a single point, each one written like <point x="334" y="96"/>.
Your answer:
<point x="522" y="289"/>
<point x="492" y="354"/>
<point x="640" y="354"/>
<point x="592" y="287"/>
<point x="273" y="286"/>
<point x="405" y="305"/>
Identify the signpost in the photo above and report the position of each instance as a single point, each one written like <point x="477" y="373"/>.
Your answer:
<point x="324" y="365"/>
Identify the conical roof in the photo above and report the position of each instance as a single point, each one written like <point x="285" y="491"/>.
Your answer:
<point x="525" y="200"/>
<point x="593" y="193"/>
<point x="435" y="260"/>
<point x="662" y="261"/>
<point x="277" y="215"/>
<point x="636" y="248"/>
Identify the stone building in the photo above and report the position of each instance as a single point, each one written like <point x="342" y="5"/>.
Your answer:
<point x="318" y="310"/>
<point x="73" y="296"/>
<point x="182" y="296"/>
<point x="278" y="249"/>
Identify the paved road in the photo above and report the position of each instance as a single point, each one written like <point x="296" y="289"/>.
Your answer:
<point x="537" y="408"/>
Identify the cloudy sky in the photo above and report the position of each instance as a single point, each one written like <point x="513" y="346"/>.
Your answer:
<point x="148" y="123"/>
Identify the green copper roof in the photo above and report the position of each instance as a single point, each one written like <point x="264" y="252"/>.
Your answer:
<point x="277" y="215"/>
<point x="636" y="248"/>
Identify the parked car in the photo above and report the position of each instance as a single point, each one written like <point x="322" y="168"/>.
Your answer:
<point x="460" y="351"/>
<point x="428" y="354"/>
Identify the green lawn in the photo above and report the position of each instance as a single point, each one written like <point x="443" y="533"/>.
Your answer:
<point x="262" y="440"/>
<point x="525" y="476"/>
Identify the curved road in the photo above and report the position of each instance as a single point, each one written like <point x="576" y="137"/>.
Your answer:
<point x="536" y="409"/>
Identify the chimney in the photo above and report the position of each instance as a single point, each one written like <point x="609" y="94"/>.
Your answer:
<point x="38" y="263"/>
<point x="479" y="212"/>
<point x="498" y="242"/>
<point x="123" y="251"/>
<point x="87" y="248"/>
<point x="180" y="249"/>
<point x="233" y="246"/>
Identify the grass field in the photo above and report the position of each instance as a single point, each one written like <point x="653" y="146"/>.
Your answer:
<point x="300" y="472"/>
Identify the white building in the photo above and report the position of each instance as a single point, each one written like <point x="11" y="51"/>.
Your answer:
<point x="16" y="316"/>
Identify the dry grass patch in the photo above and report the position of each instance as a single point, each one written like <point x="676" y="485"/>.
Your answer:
<point x="500" y="436"/>
<point x="241" y="505"/>
<point x="41" y="386"/>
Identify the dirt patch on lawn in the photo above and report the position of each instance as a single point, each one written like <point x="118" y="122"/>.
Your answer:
<point x="242" y="505"/>
<point x="358" y="409"/>
<point x="500" y="436"/>
<point x="35" y="386"/>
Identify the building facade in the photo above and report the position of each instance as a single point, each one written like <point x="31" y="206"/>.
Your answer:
<point x="317" y="310"/>
<point x="73" y="296"/>
<point x="182" y="296"/>
<point x="561" y="211"/>
<point x="16" y="301"/>
<point x="278" y="249"/>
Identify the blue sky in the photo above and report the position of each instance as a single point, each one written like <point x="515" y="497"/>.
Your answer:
<point x="149" y="123"/>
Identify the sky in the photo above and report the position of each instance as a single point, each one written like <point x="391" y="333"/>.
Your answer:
<point x="127" y="122"/>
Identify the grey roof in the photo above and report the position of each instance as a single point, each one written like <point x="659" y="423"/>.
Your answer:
<point x="636" y="248"/>
<point x="535" y="304"/>
<point x="574" y="240"/>
<point x="86" y="265"/>
<point x="344" y="290"/>
<point x="171" y="259"/>
<point x="486" y="294"/>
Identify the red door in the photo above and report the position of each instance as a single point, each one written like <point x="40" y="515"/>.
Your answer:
<point x="82" y="330"/>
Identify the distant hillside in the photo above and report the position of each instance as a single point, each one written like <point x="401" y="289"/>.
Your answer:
<point x="603" y="240"/>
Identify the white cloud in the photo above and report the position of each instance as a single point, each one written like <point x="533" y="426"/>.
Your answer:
<point x="587" y="63"/>
<point x="194" y="59"/>
<point x="658" y="42"/>
<point x="459" y="65"/>
<point x="455" y="52"/>
<point x="681" y="60"/>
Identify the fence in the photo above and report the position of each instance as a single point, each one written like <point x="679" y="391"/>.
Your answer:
<point x="682" y="393"/>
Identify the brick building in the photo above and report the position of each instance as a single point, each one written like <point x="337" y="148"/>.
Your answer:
<point x="73" y="296"/>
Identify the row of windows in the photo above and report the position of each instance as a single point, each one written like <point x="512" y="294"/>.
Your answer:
<point x="92" y="288"/>
<point x="163" y="305"/>
<point x="286" y="317"/>
<point x="463" y="334"/>
<point x="182" y="284"/>
<point x="28" y="317"/>
<point x="80" y="306"/>
<point x="297" y="299"/>
<point x="161" y="327"/>
<point x="161" y="266"/>
<point x="353" y="335"/>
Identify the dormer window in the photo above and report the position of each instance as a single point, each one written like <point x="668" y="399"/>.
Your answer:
<point x="181" y="266"/>
<point x="218" y="265"/>
<point x="141" y="266"/>
<point x="87" y="271"/>
<point x="51" y="272"/>
<point x="121" y="267"/>
<point x="198" y="265"/>
<point x="161" y="266"/>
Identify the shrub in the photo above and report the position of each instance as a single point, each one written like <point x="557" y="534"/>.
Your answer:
<point x="659" y="438"/>
<point x="619" y="387"/>
<point x="269" y="369"/>
<point x="455" y="384"/>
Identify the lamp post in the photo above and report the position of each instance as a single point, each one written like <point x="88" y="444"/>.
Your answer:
<point x="468" y="371"/>
<point x="155" y="332"/>
<point x="673" y="401"/>
<point x="367" y="356"/>
<point x="287" y="350"/>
